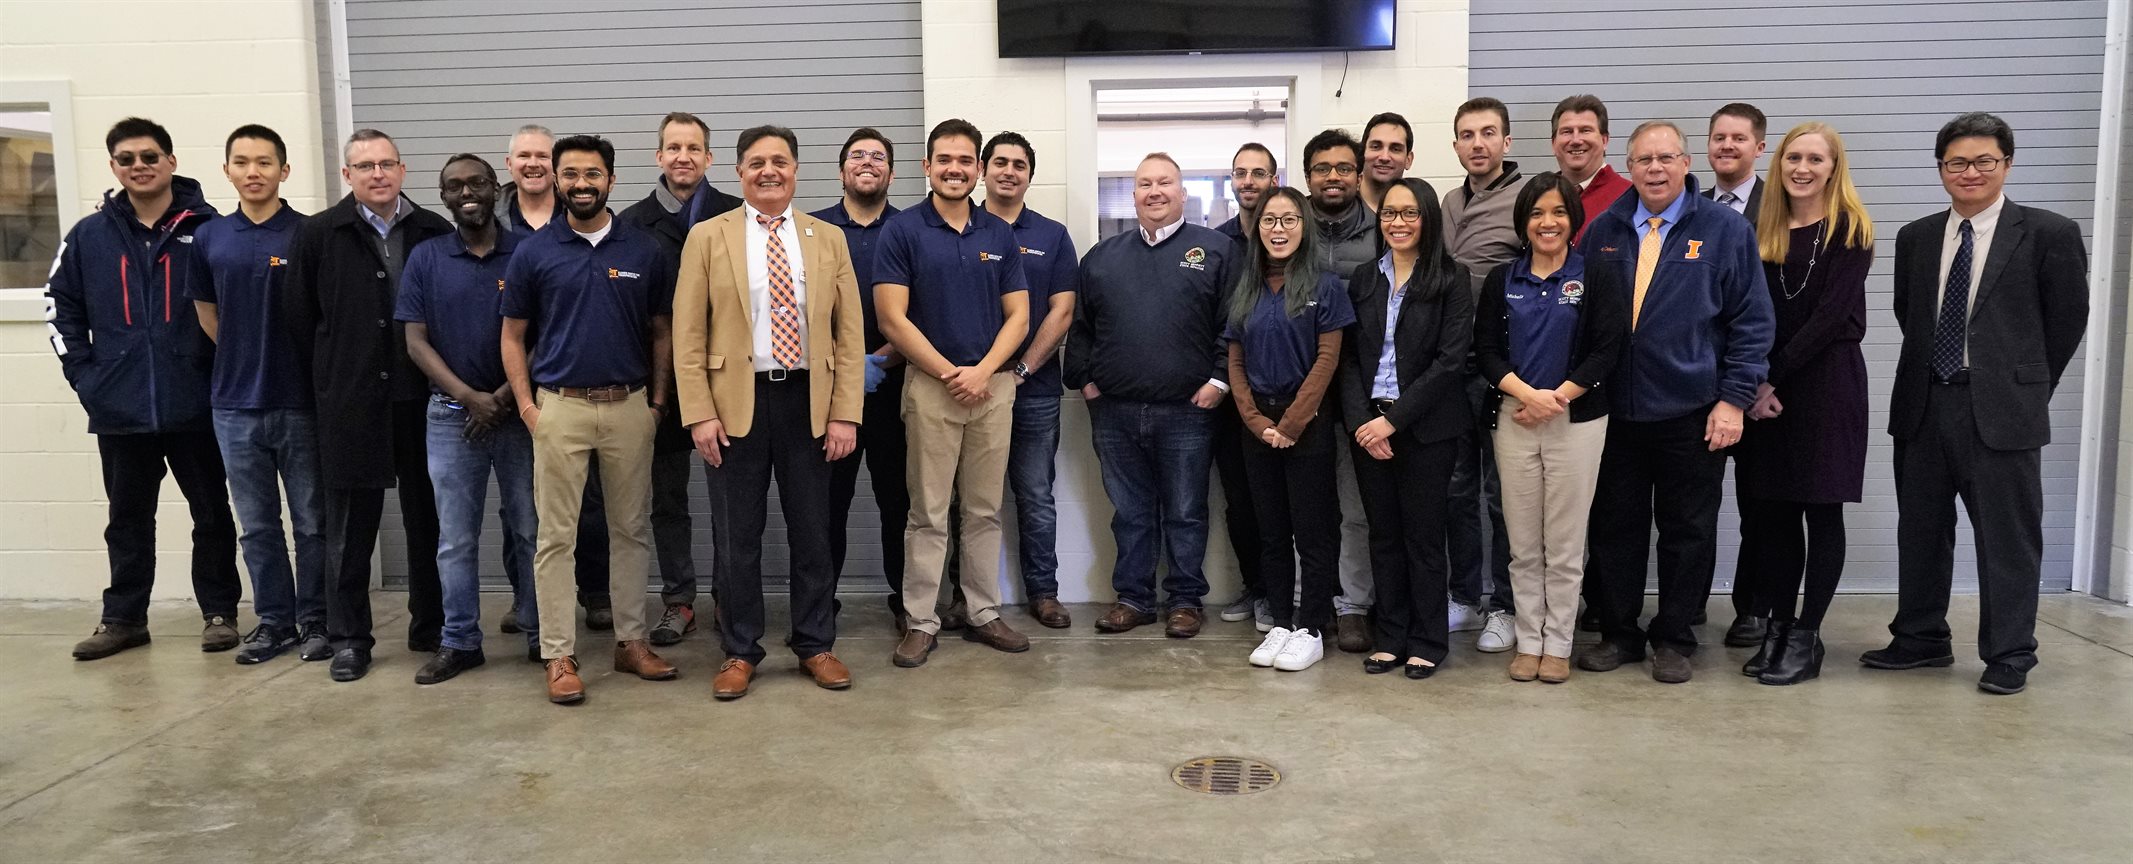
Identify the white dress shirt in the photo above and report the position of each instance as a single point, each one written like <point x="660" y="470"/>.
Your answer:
<point x="759" y="309"/>
<point x="1742" y="192"/>
<point x="1981" y="227"/>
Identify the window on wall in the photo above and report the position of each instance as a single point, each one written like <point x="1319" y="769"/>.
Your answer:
<point x="29" y="199"/>
<point x="1199" y="127"/>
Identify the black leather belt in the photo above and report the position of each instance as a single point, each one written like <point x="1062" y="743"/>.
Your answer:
<point x="781" y="376"/>
<point x="1961" y="376"/>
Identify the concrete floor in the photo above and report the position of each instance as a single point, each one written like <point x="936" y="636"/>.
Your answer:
<point x="1061" y="754"/>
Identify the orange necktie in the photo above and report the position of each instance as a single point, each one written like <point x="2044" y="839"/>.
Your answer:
<point x="1647" y="261"/>
<point x="784" y="320"/>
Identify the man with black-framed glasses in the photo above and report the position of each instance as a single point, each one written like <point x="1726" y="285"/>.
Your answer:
<point x="1992" y="299"/>
<point x="1348" y="239"/>
<point x="1251" y="174"/>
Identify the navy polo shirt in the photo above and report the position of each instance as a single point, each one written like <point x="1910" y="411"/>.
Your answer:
<point x="455" y="296"/>
<point x="956" y="279"/>
<point x="1543" y="318"/>
<point x="1278" y="349"/>
<point x="1049" y="268"/>
<point x="592" y="307"/>
<point x="861" y="240"/>
<point x="241" y="266"/>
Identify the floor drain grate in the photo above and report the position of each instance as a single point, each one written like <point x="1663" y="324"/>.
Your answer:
<point x="1225" y="775"/>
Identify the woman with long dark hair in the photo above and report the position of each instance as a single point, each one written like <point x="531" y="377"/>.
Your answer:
<point x="1285" y="322"/>
<point x="1803" y="454"/>
<point x="1403" y="368"/>
<point x="1547" y="332"/>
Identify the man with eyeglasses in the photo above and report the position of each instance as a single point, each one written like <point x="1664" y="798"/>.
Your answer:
<point x="866" y="166"/>
<point x="1992" y="299"/>
<point x="130" y="347"/>
<point x="684" y="156"/>
<point x="1480" y="233"/>
<point x="1252" y="173"/>
<point x="586" y="306"/>
<point x="1388" y="153"/>
<point x="1701" y="326"/>
<point x="372" y="401"/>
<point x="1348" y="238"/>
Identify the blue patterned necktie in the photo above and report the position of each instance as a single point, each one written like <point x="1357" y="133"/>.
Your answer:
<point x="1948" y="334"/>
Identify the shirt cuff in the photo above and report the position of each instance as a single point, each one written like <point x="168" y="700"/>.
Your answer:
<point x="1219" y="384"/>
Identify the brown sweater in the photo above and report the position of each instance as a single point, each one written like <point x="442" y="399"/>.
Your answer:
<point x="1308" y="396"/>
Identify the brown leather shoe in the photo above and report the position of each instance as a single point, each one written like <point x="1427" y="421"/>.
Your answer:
<point x="1121" y="618"/>
<point x="732" y="680"/>
<point x="829" y="672"/>
<point x="997" y="635"/>
<point x="564" y="686"/>
<point x="1050" y="613"/>
<point x="911" y="652"/>
<point x="636" y="658"/>
<point x="1554" y="670"/>
<point x="1352" y="633"/>
<point x="1183" y="623"/>
<point x="1525" y="667"/>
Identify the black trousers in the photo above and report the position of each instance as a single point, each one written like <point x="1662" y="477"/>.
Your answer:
<point x="1406" y="501"/>
<point x="1746" y="602"/>
<point x="351" y="526"/>
<point x="1238" y="515"/>
<point x="1295" y="496"/>
<point x="133" y="480"/>
<point x="883" y="447"/>
<point x="2003" y="492"/>
<point x="1785" y="558"/>
<point x="1655" y="472"/>
<point x="781" y="443"/>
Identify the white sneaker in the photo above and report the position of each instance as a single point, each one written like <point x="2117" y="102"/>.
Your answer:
<point x="1498" y="636"/>
<point x="1303" y="650"/>
<point x="1272" y="645"/>
<point x="1239" y="610"/>
<point x="1262" y="615"/>
<point x="1465" y="617"/>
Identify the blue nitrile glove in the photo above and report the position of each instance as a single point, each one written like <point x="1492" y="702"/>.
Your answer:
<point x="875" y="371"/>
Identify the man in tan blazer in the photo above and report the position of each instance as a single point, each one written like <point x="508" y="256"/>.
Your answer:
<point x="768" y="365"/>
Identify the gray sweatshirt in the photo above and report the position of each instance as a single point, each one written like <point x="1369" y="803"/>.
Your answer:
<point x="1478" y="226"/>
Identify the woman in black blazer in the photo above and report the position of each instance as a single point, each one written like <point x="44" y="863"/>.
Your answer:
<point x="1402" y="366"/>
<point x="1547" y="331"/>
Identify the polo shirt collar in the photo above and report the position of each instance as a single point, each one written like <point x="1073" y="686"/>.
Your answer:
<point x="506" y="240"/>
<point x="559" y="225"/>
<point x="1573" y="268"/>
<point x="933" y="217"/>
<point x="279" y="221"/>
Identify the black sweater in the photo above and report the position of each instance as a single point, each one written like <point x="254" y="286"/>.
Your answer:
<point x="1148" y="320"/>
<point x="1602" y="336"/>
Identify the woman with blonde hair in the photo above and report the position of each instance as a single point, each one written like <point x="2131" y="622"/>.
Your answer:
<point x="1803" y="455"/>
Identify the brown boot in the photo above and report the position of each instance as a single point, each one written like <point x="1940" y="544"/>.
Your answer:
<point x="1050" y="613"/>
<point x="828" y="671"/>
<point x="636" y="658"/>
<point x="998" y="636"/>
<point x="1525" y="667"/>
<point x="1554" y="670"/>
<point x="733" y="678"/>
<point x="912" y="652"/>
<point x="1183" y="623"/>
<point x="564" y="686"/>
<point x="1121" y="618"/>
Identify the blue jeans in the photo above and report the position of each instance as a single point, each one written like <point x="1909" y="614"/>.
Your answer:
<point x="459" y="469"/>
<point x="1155" y="458"/>
<point x="1032" y="455"/>
<point x="259" y="446"/>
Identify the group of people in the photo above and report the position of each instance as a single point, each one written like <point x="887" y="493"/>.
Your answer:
<point x="1429" y="413"/>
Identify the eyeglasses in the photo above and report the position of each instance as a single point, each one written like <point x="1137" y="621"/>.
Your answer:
<point x="574" y="175"/>
<point x="1405" y="214"/>
<point x="1285" y="221"/>
<point x="1665" y="160"/>
<point x="146" y="157"/>
<point x="469" y="185"/>
<point x="1251" y="174"/>
<point x="863" y="156"/>
<point x="386" y="165"/>
<point x="1983" y="164"/>
<point x="1326" y="169"/>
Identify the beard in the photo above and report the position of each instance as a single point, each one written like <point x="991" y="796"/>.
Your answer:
<point x="587" y="210"/>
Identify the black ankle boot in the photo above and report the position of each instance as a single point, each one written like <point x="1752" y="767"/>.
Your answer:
<point x="1773" y="645"/>
<point x="1801" y="659"/>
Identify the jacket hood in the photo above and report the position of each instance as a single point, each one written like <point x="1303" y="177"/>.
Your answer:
<point x="186" y="201"/>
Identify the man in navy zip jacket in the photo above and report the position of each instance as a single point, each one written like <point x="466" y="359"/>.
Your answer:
<point x="1700" y="332"/>
<point x="132" y="348"/>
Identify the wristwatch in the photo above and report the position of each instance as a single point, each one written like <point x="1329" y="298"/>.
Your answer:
<point x="1022" y="371"/>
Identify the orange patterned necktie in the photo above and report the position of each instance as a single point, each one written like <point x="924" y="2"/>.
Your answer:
<point x="1647" y="261"/>
<point x="784" y="319"/>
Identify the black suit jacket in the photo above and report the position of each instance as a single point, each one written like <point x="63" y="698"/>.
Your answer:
<point x="1755" y="199"/>
<point x="2031" y="308"/>
<point x="1431" y="338"/>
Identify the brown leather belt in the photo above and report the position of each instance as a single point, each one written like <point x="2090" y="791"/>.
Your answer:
<point x="610" y="393"/>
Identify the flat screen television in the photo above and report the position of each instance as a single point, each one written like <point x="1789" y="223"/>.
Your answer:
<point x="1067" y="28"/>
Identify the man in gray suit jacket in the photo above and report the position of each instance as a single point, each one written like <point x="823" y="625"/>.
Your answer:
<point x="1992" y="298"/>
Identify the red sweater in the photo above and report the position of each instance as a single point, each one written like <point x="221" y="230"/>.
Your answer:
<point x="1600" y="194"/>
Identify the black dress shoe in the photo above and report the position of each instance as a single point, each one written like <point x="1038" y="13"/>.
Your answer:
<point x="600" y="620"/>
<point x="422" y="646"/>
<point x="533" y="651"/>
<point x="350" y="664"/>
<point x="1801" y="659"/>
<point x="1670" y="666"/>
<point x="2003" y="680"/>
<point x="312" y="644"/>
<point x="1606" y="657"/>
<point x="1417" y="671"/>
<point x="1375" y="666"/>
<point x="1701" y="619"/>
<point x="1747" y="631"/>
<point x="447" y="663"/>
<point x="1773" y="644"/>
<point x="1895" y="657"/>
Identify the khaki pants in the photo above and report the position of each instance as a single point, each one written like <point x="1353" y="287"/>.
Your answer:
<point x="1549" y="474"/>
<point x="955" y="447"/>
<point x="571" y="432"/>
